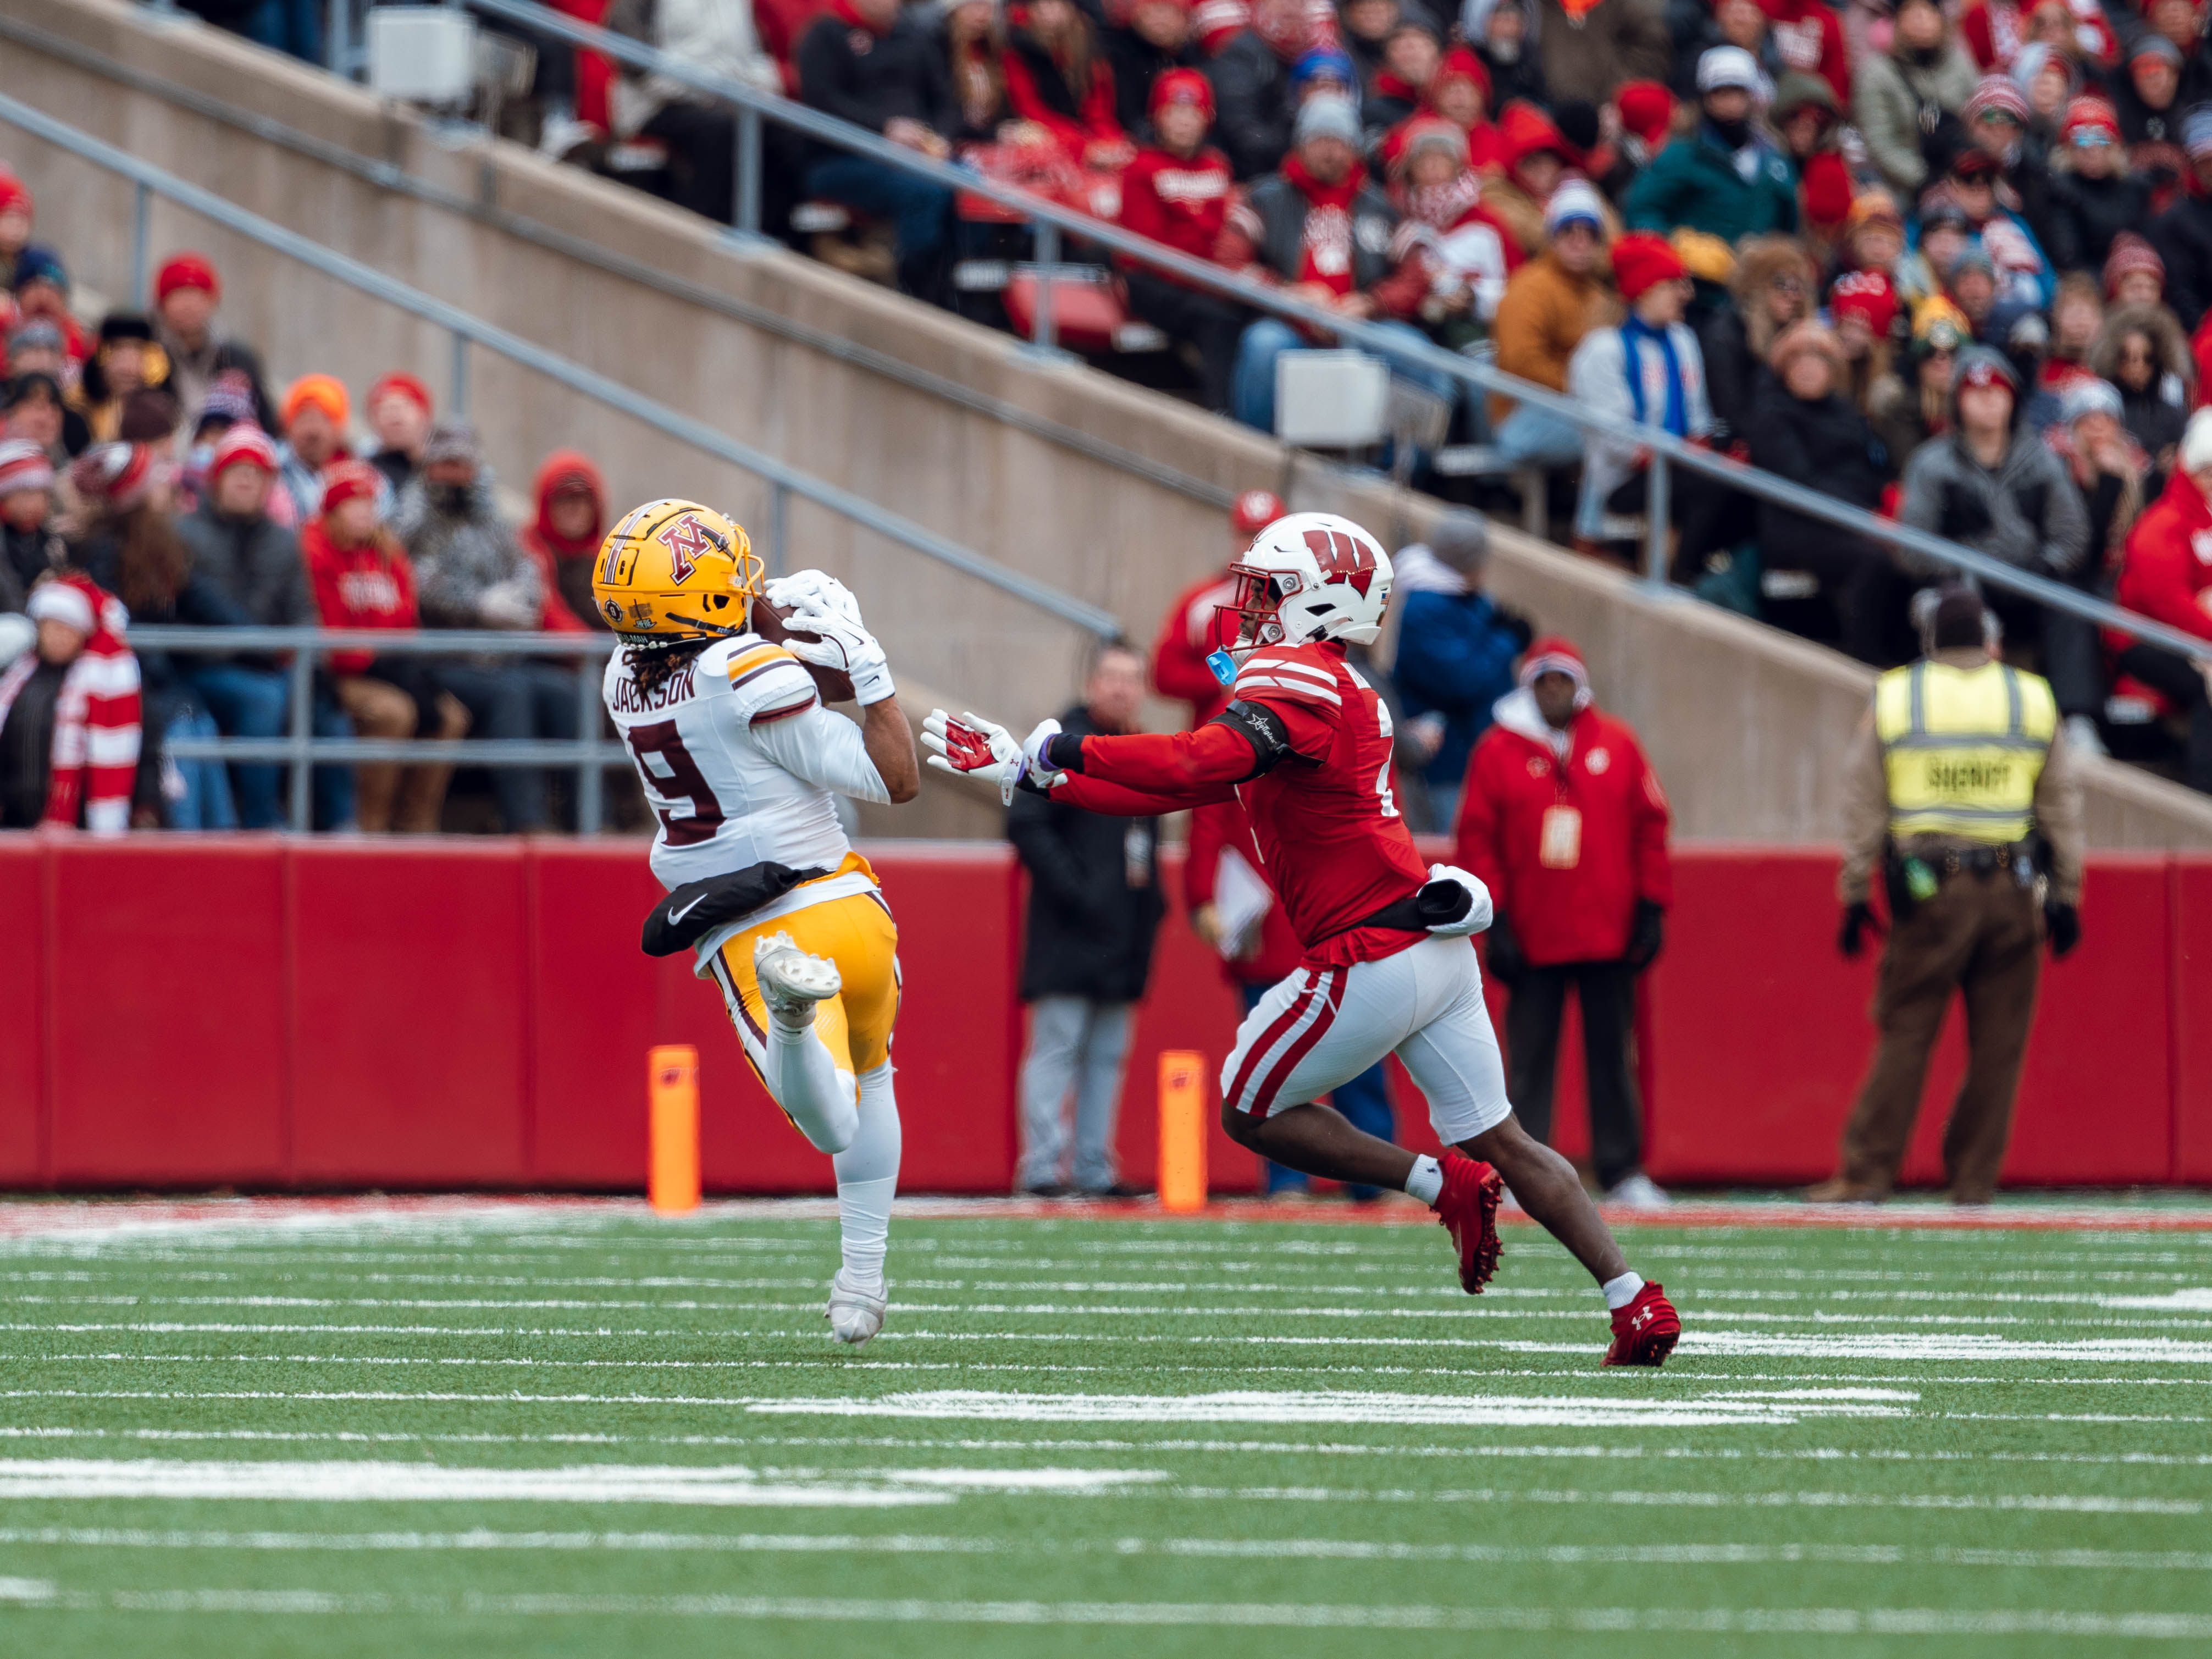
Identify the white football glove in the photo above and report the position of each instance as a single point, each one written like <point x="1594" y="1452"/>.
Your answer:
<point x="1479" y="914"/>
<point x="812" y="590"/>
<point x="974" y="747"/>
<point x="845" y="644"/>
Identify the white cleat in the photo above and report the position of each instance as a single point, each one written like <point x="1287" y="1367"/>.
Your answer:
<point x="1639" y="1192"/>
<point x="791" y="981"/>
<point x="855" y="1313"/>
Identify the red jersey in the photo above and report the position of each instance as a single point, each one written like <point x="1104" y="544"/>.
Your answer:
<point x="1180" y="201"/>
<point x="1328" y="830"/>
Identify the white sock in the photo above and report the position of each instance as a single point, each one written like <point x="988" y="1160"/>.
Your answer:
<point x="1619" y="1292"/>
<point x="868" y="1178"/>
<point x="808" y="1084"/>
<point x="1426" y="1182"/>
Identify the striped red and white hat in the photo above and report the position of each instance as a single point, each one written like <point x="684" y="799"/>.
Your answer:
<point x="243" y="441"/>
<point x="118" y="474"/>
<point x="24" y="466"/>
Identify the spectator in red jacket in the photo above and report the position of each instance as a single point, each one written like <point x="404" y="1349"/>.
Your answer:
<point x="362" y="578"/>
<point x="1192" y="631"/>
<point x="563" y="539"/>
<point x="2165" y="577"/>
<point x="1809" y="41"/>
<point x="1178" y="192"/>
<point x="70" y="713"/>
<point x="1057" y="77"/>
<point x="1563" y="820"/>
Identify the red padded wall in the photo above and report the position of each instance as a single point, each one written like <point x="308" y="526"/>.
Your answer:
<point x="170" y="1023"/>
<point x="252" y="1012"/>
<point x="23" y="971"/>
<point x="412" y="963"/>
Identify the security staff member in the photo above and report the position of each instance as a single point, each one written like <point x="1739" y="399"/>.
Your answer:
<point x="1962" y="789"/>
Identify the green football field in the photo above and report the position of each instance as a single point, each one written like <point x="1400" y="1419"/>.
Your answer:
<point x="486" y="1428"/>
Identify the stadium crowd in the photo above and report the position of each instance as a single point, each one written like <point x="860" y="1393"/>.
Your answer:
<point x="150" y="473"/>
<point x="1948" y="262"/>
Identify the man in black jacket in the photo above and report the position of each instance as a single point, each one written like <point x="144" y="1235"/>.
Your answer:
<point x="1094" y="905"/>
<point x="2182" y="234"/>
<point x="867" y="62"/>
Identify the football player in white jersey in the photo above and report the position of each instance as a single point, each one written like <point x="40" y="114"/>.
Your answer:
<point x="740" y="758"/>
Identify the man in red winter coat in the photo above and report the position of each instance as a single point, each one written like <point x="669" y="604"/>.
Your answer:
<point x="1178" y="192"/>
<point x="2165" y="574"/>
<point x="1563" y="820"/>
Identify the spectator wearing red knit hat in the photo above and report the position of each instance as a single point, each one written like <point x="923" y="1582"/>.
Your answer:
<point x="1649" y="370"/>
<point x="1646" y="109"/>
<point x="1804" y="427"/>
<point x="1143" y="41"/>
<point x="1192" y="631"/>
<point x="315" y="411"/>
<point x="1321" y="230"/>
<point x="362" y="578"/>
<point x="2094" y="194"/>
<point x="1178" y="191"/>
<point x="15" y="211"/>
<point x="399" y="411"/>
<point x="1457" y="92"/>
<point x="26" y="510"/>
<point x="563" y="539"/>
<point x="2134" y="275"/>
<point x="69" y="714"/>
<point x="254" y="564"/>
<point x="1864" y="309"/>
<point x="1470" y="251"/>
<point x="186" y="291"/>
<point x="1563" y="820"/>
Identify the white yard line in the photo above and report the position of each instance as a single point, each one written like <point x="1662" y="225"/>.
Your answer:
<point x="1313" y="1549"/>
<point x="1826" y="1622"/>
<point x="2036" y="1503"/>
<point x="29" y="1479"/>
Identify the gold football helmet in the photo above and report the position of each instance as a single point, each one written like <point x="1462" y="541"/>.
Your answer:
<point x="674" y="570"/>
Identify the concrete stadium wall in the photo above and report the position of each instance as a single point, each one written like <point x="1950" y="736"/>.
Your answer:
<point x="1744" y="724"/>
<point x="476" y="1012"/>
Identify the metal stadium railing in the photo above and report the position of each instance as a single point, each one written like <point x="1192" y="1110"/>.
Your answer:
<point x="586" y="754"/>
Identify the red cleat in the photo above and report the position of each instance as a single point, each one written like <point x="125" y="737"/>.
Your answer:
<point x="1467" y="1207"/>
<point x="1645" y="1331"/>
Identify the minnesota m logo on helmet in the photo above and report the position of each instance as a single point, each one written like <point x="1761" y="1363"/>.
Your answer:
<point x="687" y="540"/>
<point x="674" y="570"/>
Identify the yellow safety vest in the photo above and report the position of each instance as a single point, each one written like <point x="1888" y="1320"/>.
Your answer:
<point x="1962" y="748"/>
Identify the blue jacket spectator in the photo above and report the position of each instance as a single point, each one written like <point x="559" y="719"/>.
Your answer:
<point x="1456" y="647"/>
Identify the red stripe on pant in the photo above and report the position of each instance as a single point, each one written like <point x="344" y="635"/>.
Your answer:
<point x="1272" y="1035"/>
<point x="1263" y="1099"/>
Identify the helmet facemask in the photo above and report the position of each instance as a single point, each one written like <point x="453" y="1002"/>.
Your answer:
<point x="1253" y="617"/>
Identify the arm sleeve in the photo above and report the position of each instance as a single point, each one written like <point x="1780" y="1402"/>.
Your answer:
<point x="1474" y="844"/>
<point x="1202" y="859"/>
<point x="1118" y="800"/>
<point x="1648" y="819"/>
<point x="1866" y="813"/>
<point x="824" y="748"/>
<point x="1178" y="766"/>
<point x="2058" y="813"/>
<point x="1031" y="826"/>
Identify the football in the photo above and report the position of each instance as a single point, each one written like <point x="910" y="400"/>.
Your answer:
<point x="835" y="684"/>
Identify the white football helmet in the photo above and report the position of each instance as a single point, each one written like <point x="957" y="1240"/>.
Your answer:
<point x="1309" y="576"/>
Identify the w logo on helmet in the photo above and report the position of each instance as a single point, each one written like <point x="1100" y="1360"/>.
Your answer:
<point x="1342" y="558"/>
<point x="686" y="539"/>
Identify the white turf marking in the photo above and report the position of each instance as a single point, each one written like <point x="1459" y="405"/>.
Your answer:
<point x="2022" y="1501"/>
<point x="1322" y="1549"/>
<point x="2195" y="1299"/>
<point x="1909" y="1346"/>
<point x="1348" y="1407"/>
<point x="1807" y="1621"/>
<point x="363" y="1483"/>
<point x="1610" y="1451"/>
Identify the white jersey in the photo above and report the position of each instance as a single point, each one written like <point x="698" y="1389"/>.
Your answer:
<point x="739" y="759"/>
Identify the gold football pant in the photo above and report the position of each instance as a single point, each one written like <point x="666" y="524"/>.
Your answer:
<point x="856" y="933"/>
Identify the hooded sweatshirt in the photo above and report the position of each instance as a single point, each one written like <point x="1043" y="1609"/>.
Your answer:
<point x="564" y="568"/>
<point x="2025" y="510"/>
<point x="372" y="586"/>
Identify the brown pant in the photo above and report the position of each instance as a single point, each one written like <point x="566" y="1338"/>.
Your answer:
<point x="1981" y="935"/>
<point x="390" y="797"/>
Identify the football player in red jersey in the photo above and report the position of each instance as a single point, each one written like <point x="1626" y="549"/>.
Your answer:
<point x="1389" y="967"/>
